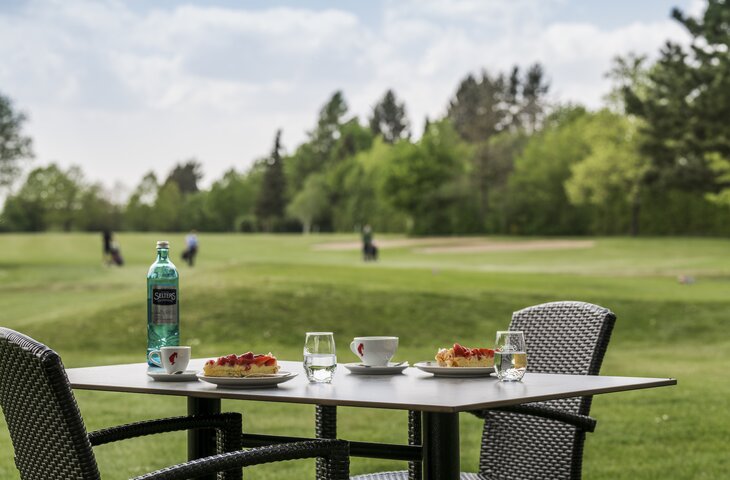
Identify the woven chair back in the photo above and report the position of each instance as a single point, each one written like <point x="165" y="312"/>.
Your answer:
<point x="48" y="434"/>
<point x="561" y="337"/>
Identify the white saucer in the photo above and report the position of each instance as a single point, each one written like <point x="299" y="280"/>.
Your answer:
<point x="163" y="376"/>
<point x="433" y="367"/>
<point x="260" y="381"/>
<point x="390" y="369"/>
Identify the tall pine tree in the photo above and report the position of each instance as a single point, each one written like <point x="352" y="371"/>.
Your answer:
<point x="389" y="119"/>
<point x="685" y="103"/>
<point x="271" y="202"/>
<point x="186" y="176"/>
<point x="534" y="89"/>
<point x="14" y="145"/>
<point x="317" y="153"/>
<point x="486" y="105"/>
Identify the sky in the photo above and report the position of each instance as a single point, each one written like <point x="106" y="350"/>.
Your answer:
<point x="124" y="88"/>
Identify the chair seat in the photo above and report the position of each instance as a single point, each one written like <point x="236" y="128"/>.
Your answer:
<point x="403" y="475"/>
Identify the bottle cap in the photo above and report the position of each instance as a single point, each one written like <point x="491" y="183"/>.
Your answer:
<point x="163" y="244"/>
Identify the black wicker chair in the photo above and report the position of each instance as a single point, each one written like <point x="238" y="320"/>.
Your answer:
<point x="546" y="437"/>
<point x="51" y="443"/>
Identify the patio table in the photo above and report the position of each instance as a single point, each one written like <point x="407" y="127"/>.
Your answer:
<point x="439" y="399"/>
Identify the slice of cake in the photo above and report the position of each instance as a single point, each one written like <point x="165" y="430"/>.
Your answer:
<point x="459" y="356"/>
<point x="246" y="365"/>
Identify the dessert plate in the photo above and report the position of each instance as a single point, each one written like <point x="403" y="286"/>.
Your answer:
<point x="163" y="376"/>
<point x="433" y="367"/>
<point x="260" y="381"/>
<point x="390" y="369"/>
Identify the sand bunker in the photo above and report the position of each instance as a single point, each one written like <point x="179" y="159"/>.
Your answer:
<point x="520" y="246"/>
<point x="461" y="245"/>
<point x="386" y="244"/>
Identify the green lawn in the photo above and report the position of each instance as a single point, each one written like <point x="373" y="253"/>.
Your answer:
<point x="263" y="292"/>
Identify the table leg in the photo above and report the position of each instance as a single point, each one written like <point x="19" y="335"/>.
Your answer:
<point x="440" y="446"/>
<point x="202" y="442"/>
<point x="325" y="427"/>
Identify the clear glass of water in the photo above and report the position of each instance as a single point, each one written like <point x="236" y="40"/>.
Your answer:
<point x="510" y="356"/>
<point x="320" y="358"/>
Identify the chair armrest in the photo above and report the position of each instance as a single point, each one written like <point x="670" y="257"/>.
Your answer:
<point x="583" y="422"/>
<point x="229" y="426"/>
<point x="336" y="451"/>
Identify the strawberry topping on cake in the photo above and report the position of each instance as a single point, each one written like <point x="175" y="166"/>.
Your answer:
<point x="244" y="365"/>
<point x="459" y="356"/>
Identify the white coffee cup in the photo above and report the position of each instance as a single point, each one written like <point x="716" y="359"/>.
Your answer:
<point x="172" y="359"/>
<point x="374" y="351"/>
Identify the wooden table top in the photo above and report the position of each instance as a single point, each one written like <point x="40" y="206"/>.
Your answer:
<point x="412" y="390"/>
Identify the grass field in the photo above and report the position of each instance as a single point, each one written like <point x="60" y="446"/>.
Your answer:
<point x="263" y="292"/>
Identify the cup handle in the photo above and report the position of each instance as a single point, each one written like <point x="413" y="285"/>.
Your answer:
<point x="152" y="360"/>
<point x="353" y="349"/>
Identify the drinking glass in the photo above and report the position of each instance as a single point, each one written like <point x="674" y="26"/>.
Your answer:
<point x="510" y="356"/>
<point x="320" y="359"/>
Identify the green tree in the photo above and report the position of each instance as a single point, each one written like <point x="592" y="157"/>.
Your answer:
<point x="186" y="176"/>
<point x="721" y="168"/>
<point x="317" y="153"/>
<point x="491" y="166"/>
<point x="492" y="112"/>
<point x="139" y="212"/>
<point x="50" y="198"/>
<point x="253" y="179"/>
<point x="630" y="76"/>
<point x="614" y="171"/>
<point x="538" y="203"/>
<point x="325" y="152"/>
<point x="357" y="185"/>
<point x="420" y="178"/>
<point x="352" y="186"/>
<point x="686" y="103"/>
<point x="168" y="208"/>
<point x="477" y="111"/>
<point x="195" y="214"/>
<point x="389" y="119"/>
<point x="532" y="99"/>
<point x="271" y="201"/>
<point x="330" y="117"/>
<point x="96" y="212"/>
<point x="351" y="139"/>
<point x="311" y="202"/>
<point x="14" y="145"/>
<point x="23" y="214"/>
<point x="230" y="198"/>
<point x="486" y="105"/>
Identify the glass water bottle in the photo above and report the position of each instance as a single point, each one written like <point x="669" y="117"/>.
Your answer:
<point x="163" y="315"/>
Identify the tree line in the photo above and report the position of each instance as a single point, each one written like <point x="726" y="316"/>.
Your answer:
<point x="501" y="160"/>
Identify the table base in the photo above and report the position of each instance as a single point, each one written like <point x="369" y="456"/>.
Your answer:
<point x="202" y="442"/>
<point x="441" y="446"/>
